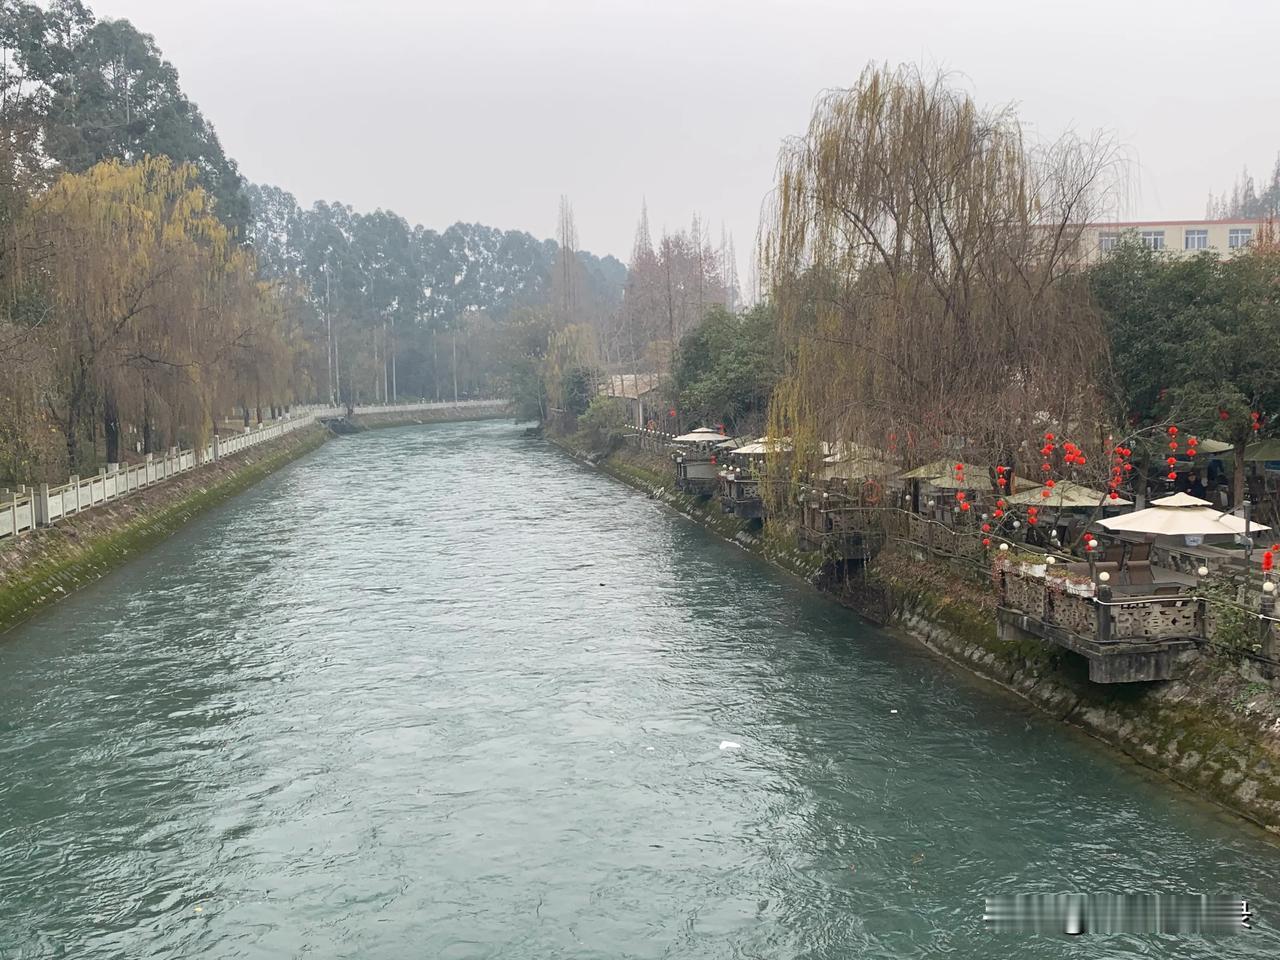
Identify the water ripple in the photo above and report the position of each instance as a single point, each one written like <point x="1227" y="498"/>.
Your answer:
<point x="441" y="692"/>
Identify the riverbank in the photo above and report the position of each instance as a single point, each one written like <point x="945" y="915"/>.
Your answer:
<point x="46" y="564"/>
<point x="1216" y="732"/>
<point x="373" y="421"/>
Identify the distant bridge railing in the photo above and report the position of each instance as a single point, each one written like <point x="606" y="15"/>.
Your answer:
<point x="30" y="507"/>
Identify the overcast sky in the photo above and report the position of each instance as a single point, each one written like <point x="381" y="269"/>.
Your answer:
<point x="488" y="110"/>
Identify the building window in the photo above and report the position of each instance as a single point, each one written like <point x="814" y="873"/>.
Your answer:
<point x="1154" y="239"/>
<point x="1108" y="241"/>
<point x="1195" y="240"/>
<point x="1238" y="237"/>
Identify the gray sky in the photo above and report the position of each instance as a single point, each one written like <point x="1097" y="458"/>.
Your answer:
<point x="488" y="110"/>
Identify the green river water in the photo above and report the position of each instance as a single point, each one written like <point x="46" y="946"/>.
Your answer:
<point x="441" y="692"/>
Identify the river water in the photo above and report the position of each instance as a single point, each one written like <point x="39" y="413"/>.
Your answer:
<point x="441" y="692"/>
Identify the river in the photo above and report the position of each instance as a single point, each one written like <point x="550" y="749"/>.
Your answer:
<point x="442" y="692"/>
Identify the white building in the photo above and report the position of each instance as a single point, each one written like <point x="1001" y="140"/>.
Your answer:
<point x="1179" y="237"/>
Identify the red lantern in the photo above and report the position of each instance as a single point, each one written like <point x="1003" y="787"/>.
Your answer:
<point x="961" y="495"/>
<point x="1045" y="493"/>
<point x="986" y="541"/>
<point x="1268" y="561"/>
<point x="1171" y="461"/>
<point x="1045" y="467"/>
<point x="1088" y="545"/>
<point x="1048" y="436"/>
<point x="1173" y="445"/>
<point x="1049" y="483"/>
<point x="1172" y="475"/>
<point x="986" y="528"/>
<point x="964" y="506"/>
<point x="997" y="513"/>
<point x="1173" y="431"/>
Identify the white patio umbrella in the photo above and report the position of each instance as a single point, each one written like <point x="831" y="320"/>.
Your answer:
<point x="1179" y="515"/>
<point x="701" y="435"/>
<point x="762" y="446"/>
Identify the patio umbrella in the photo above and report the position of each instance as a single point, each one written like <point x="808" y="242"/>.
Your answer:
<point x="701" y="435"/>
<point x="977" y="478"/>
<point x="861" y="469"/>
<point x="1068" y="495"/>
<point x="762" y="446"/>
<point x="1263" y="450"/>
<point x="1213" y="446"/>
<point x="931" y="470"/>
<point x="1179" y="515"/>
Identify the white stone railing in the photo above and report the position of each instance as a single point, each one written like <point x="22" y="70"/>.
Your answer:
<point x="43" y="505"/>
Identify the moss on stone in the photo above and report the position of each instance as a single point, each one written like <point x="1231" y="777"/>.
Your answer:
<point x="65" y="564"/>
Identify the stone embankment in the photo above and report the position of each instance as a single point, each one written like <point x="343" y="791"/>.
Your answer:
<point x="45" y="564"/>
<point x="1215" y="732"/>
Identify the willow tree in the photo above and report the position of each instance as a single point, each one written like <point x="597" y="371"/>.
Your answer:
<point x="150" y="299"/>
<point x="920" y="255"/>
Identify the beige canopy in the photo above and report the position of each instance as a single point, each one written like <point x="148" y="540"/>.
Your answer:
<point x="1262" y="450"/>
<point x="1179" y="515"/>
<point x="849" y="450"/>
<point x="935" y="469"/>
<point x="979" y="479"/>
<point x="701" y="435"/>
<point x="860" y="469"/>
<point x="762" y="446"/>
<point x="1068" y="495"/>
<point x="1213" y="446"/>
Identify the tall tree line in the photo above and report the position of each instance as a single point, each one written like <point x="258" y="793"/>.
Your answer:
<point x="147" y="291"/>
<point x="671" y="287"/>
<point x="405" y="311"/>
<point x="1248" y="199"/>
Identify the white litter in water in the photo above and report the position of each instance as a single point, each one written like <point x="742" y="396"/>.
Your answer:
<point x="648" y="748"/>
<point x="730" y="745"/>
<point x="893" y="711"/>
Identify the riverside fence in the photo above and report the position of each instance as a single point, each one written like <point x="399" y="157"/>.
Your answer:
<point x="42" y="506"/>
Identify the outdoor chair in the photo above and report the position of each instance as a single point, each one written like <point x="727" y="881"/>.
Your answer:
<point x="1109" y="567"/>
<point x="1140" y="573"/>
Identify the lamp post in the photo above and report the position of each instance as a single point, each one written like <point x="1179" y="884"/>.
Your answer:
<point x="1104" y="606"/>
<point x="1267" y="612"/>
